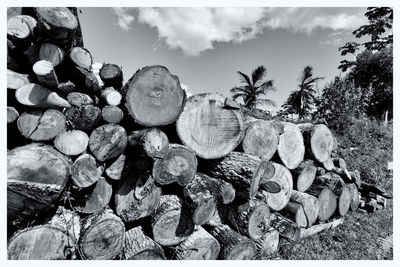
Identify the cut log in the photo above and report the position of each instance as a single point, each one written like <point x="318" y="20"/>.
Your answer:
<point x="366" y="188"/>
<point x="179" y="165"/>
<point x="318" y="139"/>
<point x="154" y="96"/>
<point x="243" y="171"/>
<point x="220" y="216"/>
<point x="68" y="221"/>
<point x="71" y="143"/>
<point x="200" y="245"/>
<point x="37" y="125"/>
<point x="295" y="212"/>
<point x="251" y="219"/>
<point x="327" y="201"/>
<point x="209" y="128"/>
<point x="16" y="80"/>
<point x="66" y="88"/>
<point x="112" y="114"/>
<point x="93" y="199"/>
<point x="36" y="176"/>
<point x="137" y="196"/>
<point x="85" y="171"/>
<point x="12" y="114"/>
<point x="108" y="141"/>
<point x="111" y="75"/>
<point x="79" y="99"/>
<point x="170" y="223"/>
<point x="42" y="242"/>
<point x="51" y="53"/>
<point x="306" y="232"/>
<point x="320" y="171"/>
<point x="328" y="164"/>
<point x="34" y="95"/>
<point x="354" y="196"/>
<point x="304" y="175"/>
<point x="267" y="245"/>
<point x="81" y="57"/>
<point x="260" y="138"/>
<point x="138" y="246"/>
<point x="309" y="203"/>
<point x="21" y="30"/>
<point x="44" y="71"/>
<point x="287" y="229"/>
<point x="282" y="179"/>
<point x="222" y="191"/>
<point x="102" y="236"/>
<point x="84" y="118"/>
<point x="233" y="245"/>
<point x="151" y="142"/>
<point x="291" y="146"/>
<point x="118" y="168"/>
<point x="85" y="79"/>
<point x="111" y="96"/>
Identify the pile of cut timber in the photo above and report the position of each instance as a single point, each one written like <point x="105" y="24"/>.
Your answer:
<point x="139" y="171"/>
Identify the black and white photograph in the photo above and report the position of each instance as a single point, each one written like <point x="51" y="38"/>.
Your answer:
<point x="167" y="132"/>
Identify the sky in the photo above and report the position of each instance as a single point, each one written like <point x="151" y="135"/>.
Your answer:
<point x="205" y="47"/>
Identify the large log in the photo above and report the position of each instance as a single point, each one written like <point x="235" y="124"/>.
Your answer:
<point x="16" y="80"/>
<point x="170" y="223"/>
<point x="260" y="138"/>
<point x="309" y="203"/>
<point x="137" y="196"/>
<point x="71" y="143"/>
<point x="37" y="125"/>
<point x="51" y="53"/>
<point x="233" y="245"/>
<point x="34" y="95"/>
<point x="267" y="245"/>
<point x="111" y="75"/>
<point x="152" y="142"/>
<point x="36" y="176"/>
<point x="291" y="145"/>
<point x="85" y="171"/>
<point x="179" y="164"/>
<point x="102" y="236"/>
<point x="304" y="175"/>
<point x="138" y="246"/>
<point x="12" y="115"/>
<point x="108" y="141"/>
<point x="243" y="171"/>
<point x="200" y="245"/>
<point x="154" y="96"/>
<point x="208" y="127"/>
<point x="84" y="118"/>
<point x="318" y="139"/>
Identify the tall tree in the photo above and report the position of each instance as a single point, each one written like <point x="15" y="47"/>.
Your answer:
<point x="301" y="101"/>
<point x="254" y="91"/>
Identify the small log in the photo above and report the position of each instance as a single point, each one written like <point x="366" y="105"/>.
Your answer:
<point x="320" y="171"/>
<point x="16" y="80"/>
<point x="243" y="171"/>
<point x="366" y="188"/>
<point x="309" y="203"/>
<point x="260" y="138"/>
<point x="267" y="245"/>
<point x="43" y="242"/>
<point x="354" y="196"/>
<point x="93" y="199"/>
<point x="251" y="219"/>
<point x="52" y="53"/>
<point x="328" y="164"/>
<point x="71" y="143"/>
<point x="81" y="57"/>
<point x="118" y="168"/>
<point x="340" y="163"/>
<point x="295" y="212"/>
<point x="233" y="245"/>
<point x="79" y="99"/>
<point x="138" y="246"/>
<point x="66" y="88"/>
<point x="209" y="128"/>
<point x="108" y="141"/>
<point x="85" y="171"/>
<point x="84" y="118"/>
<point x="34" y="95"/>
<point x="282" y="179"/>
<point x="112" y="114"/>
<point x="37" y="125"/>
<point x="137" y="196"/>
<point x="315" y="229"/>
<point x="154" y="96"/>
<point x="362" y="203"/>
<point x="179" y="165"/>
<point x="318" y="139"/>
<point x="102" y="236"/>
<point x="170" y="223"/>
<point x="304" y="175"/>
<point x="327" y="201"/>
<point x="291" y="146"/>
<point x="111" y="96"/>
<point x="220" y="216"/>
<point x="287" y="229"/>
<point x="84" y="79"/>
<point x="12" y="115"/>
<point x="111" y="75"/>
<point x="44" y="71"/>
<point x="21" y="30"/>
<point x="151" y="142"/>
<point x="222" y="191"/>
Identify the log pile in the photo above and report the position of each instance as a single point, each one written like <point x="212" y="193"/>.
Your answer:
<point x="137" y="171"/>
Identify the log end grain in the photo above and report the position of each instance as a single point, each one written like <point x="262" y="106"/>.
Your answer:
<point x="72" y="143"/>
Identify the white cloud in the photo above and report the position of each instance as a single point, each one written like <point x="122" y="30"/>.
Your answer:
<point x="124" y="19"/>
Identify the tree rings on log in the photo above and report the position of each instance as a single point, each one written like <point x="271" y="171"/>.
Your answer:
<point x="295" y="212"/>
<point x="291" y="146"/>
<point x="51" y="53"/>
<point x="179" y="165"/>
<point x="154" y="96"/>
<point x="81" y="57"/>
<point x="112" y="114"/>
<point x="111" y="75"/>
<point x="209" y="128"/>
<point x="152" y="142"/>
<point x="71" y="143"/>
<point x="108" y="141"/>
<point x="327" y="201"/>
<point x="34" y="95"/>
<point x="84" y="118"/>
<point x="319" y="140"/>
<point x="170" y="223"/>
<point x="37" y="125"/>
<point x="304" y="175"/>
<point x="138" y="246"/>
<point x="85" y="171"/>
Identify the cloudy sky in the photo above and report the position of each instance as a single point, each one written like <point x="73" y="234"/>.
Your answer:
<point x="206" y="47"/>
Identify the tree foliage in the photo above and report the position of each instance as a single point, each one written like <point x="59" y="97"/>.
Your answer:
<point x="254" y="91"/>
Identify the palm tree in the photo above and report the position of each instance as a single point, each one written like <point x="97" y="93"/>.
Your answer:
<point x="254" y="91"/>
<point x="301" y="101"/>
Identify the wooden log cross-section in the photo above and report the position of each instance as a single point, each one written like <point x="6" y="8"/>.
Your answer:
<point x="112" y="114"/>
<point x="16" y="80"/>
<point x="111" y="75"/>
<point x="81" y="57"/>
<point x="318" y="139"/>
<point x="268" y="244"/>
<point x="295" y="212"/>
<point x="85" y="171"/>
<point x="71" y="143"/>
<point x="138" y="246"/>
<point x="304" y="175"/>
<point x="84" y="118"/>
<point x="309" y="203"/>
<point x="152" y="142"/>
<point x="45" y="74"/>
<point x="21" y="30"/>
<point x="111" y="97"/>
<point x="291" y="145"/>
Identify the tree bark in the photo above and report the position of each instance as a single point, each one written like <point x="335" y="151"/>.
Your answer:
<point x="222" y="191"/>
<point x="45" y="74"/>
<point x="79" y="99"/>
<point x="287" y="229"/>
<point x="72" y="143"/>
<point x="291" y="145"/>
<point x="306" y="232"/>
<point x="318" y="139"/>
<point x="68" y="221"/>
<point x="309" y="203"/>
<point x="111" y="75"/>
<point x="21" y="30"/>
<point x="66" y="87"/>
<point x="138" y="246"/>
<point x="304" y="175"/>
<point x="84" y="118"/>
<point x="112" y="114"/>
<point x="34" y="95"/>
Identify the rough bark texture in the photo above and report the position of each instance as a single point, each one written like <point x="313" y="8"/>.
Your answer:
<point x="111" y="75"/>
<point x="222" y="191"/>
<point x="72" y="143"/>
<point x="84" y="118"/>
<point x="138" y="246"/>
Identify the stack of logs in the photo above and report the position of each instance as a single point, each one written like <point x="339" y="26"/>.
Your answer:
<point x="137" y="171"/>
